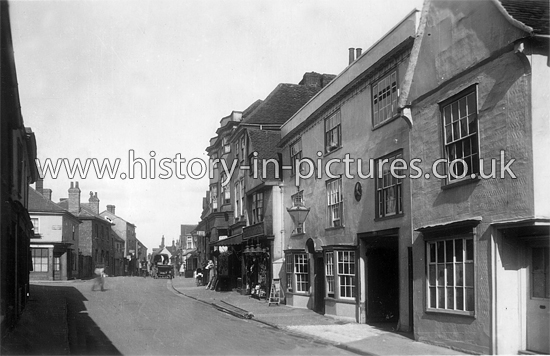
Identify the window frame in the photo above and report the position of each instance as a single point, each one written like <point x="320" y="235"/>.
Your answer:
<point x="257" y="207"/>
<point x="473" y="138"/>
<point x="334" y="131"/>
<point x="337" y="278"/>
<point x="376" y="122"/>
<point x="383" y="190"/>
<point x="331" y="195"/>
<point x="43" y="257"/>
<point x="214" y="197"/>
<point x="36" y="228"/>
<point x="436" y="285"/>
<point x="295" y="155"/>
<point x="225" y="189"/>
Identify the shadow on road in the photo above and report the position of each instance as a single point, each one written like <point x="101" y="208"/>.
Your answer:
<point x="55" y="321"/>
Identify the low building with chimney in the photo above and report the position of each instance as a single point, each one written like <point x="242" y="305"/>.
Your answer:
<point x="95" y="245"/>
<point x="54" y="246"/>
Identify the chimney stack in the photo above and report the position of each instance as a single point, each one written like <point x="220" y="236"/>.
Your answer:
<point x="351" y="55"/>
<point x="39" y="185"/>
<point x="74" y="198"/>
<point x="47" y="193"/>
<point x="111" y="209"/>
<point x="358" y="53"/>
<point x="94" y="203"/>
<point x="162" y="244"/>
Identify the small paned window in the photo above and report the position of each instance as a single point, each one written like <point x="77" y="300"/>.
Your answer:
<point x="450" y="274"/>
<point x="333" y="132"/>
<point x="389" y="187"/>
<point x="335" y="203"/>
<point x="384" y="99"/>
<point x="460" y="135"/>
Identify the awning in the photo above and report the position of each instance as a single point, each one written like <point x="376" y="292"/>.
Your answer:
<point x="230" y="241"/>
<point x="190" y="251"/>
<point x="470" y="222"/>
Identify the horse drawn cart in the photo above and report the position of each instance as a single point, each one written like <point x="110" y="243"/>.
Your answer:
<point x="162" y="267"/>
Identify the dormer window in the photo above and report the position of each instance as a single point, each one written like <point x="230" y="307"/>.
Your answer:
<point x="333" y="132"/>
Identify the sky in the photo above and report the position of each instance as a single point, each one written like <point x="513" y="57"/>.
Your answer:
<point x="110" y="79"/>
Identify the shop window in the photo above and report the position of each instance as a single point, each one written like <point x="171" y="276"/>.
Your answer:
<point x="40" y="259"/>
<point x="333" y="132"/>
<point x="295" y="155"/>
<point x="329" y="273"/>
<point x="297" y="272"/>
<point x="340" y="281"/>
<point x="335" y="203"/>
<point x="460" y="127"/>
<point x="450" y="274"/>
<point x="384" y="99"/>
<point x="389" y="187"/>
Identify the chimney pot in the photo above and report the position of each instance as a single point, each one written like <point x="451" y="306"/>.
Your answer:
<point x="111" y="209"/>
<point x="358" y="53"/>
<point x="351" y="55"/>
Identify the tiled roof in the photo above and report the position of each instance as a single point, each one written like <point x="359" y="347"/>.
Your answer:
<point x="39" y="203"/>
<point x="265" y="143"/>
<point x="532" y="13"/>
<point x="249" y="110"/>
<point x="281" y="104"/>
<point x="85" y="210"/>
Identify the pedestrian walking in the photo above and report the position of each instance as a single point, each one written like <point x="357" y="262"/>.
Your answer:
<point x="182" y="270"/>
<point x="211" y="271"/>
<point x="99" y="280"/>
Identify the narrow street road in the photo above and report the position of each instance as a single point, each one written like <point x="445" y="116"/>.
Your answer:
<point x="143" y="316"/>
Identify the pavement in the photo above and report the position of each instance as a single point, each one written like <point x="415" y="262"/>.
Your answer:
<point x="362" y="339"/>
<point x="43" y="327"/>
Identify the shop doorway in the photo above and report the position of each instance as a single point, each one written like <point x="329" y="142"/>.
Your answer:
<point x="538" y="302"/>
<point x="382" y="280"/>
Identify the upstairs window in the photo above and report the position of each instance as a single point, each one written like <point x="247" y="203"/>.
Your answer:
<point x="384" y="99"/>
<point x="214" y="197"/>
<point x="257" y="207"/>
<point x="226" y="192"/>
<point x="333" y="132"/>
<point x="36" y="226"/>
<point x="459" y="116"/>
<point x="226" y="145"/>
<point x="295" y="155"/>
<point x="335" y="203"/>
<point x="389" y="187"/>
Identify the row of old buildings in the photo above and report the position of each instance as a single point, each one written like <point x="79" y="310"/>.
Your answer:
<point x="410" y="188"/>
<point x="71" y="238"/>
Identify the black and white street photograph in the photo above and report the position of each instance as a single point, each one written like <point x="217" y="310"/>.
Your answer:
<point x="290" y="177"/>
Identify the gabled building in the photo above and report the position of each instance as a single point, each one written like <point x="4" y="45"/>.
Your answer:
<point x="247" y="196"/>
<point x="477" y="97"/>
<point x="350" y="257"/>
<point x="133" y="250"/>
<point x="18" y="170"/>
<point x="95" y="240"/>
<point x="55" y="244"/>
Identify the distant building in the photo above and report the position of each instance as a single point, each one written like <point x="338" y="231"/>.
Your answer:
<point x="95" y="240"/>
<point x="134" y="251"/>
<point x="54" y="246"/>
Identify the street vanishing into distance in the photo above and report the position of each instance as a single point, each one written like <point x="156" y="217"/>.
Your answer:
<point x="145" y="316"/>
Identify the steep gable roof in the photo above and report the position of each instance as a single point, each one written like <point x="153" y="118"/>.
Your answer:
<point x="186" y="229"/>
<point x="265" y="143"/>
<point x="531" y="13"/>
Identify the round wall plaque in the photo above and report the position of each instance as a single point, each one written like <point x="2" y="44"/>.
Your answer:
<point x="358" y="191"/>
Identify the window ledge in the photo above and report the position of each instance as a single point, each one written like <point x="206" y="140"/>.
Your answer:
<point x="461" y="182"/>
<point x="384" y="123"/>
<point x="335" y="228"/>
<point x="298" y="293"/>
<point x="388" y="217"/>
<point x="341" y="300"/>
<point x="452" y="312"/>
<point x="331" y="152"/>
